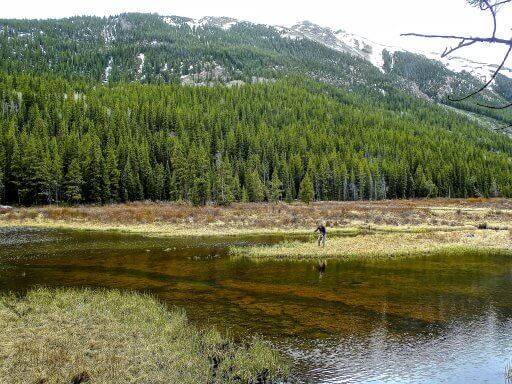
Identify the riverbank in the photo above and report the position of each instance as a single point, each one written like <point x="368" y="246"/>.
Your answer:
<point x="57" y="336"/>
<point x="384" y="227"/>
<point x="381" y="245"/>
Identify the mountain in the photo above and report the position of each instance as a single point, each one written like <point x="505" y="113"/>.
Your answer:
<point x="152" y="49"/>
<point x="143" y="106"/>
<point x="374" y="52"/>
<point x="434" y="76"/>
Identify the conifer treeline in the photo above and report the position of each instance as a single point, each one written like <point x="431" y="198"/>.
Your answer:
<point x="70" y="142"/>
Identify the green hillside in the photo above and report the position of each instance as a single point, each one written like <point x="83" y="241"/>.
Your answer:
<point x="79" y="142"/>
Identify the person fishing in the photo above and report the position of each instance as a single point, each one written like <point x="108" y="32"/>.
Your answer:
<point x="322" y="234"/>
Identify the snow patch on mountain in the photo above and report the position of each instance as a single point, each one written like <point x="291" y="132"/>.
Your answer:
<point x="194" y="24"/>
<point x="368" y="49"/>
<point x="108" y="69"/>
<point x="288" y="33"/>
<point x="169" y="20"/>
<point x="346" y="42"/>
<point x="325" y="36"/>
<point x="141" y="58"/>
<point x="481" y="71"/>
<point x="224" y="23"/>
<point x="373" y="52"/>
<point x="108" y="34"/>
<point x="228" y="25"/>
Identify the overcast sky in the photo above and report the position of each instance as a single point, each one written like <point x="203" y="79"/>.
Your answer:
<point x="379" y="20"/>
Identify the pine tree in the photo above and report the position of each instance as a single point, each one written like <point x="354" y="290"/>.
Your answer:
<point x="200" y="191"/>
<point x="16" y="172"/>
<point x="55" y="170"/>
<point x="42" y="182"/>
<point x="124" y="182"/>
<point x="12" y="161"/>
<point x="245" y="195"/>
<point x="306" y="190"/>
<point x="35" y="183"/>
<point x="275" y="189"/>
<point x="106" y="196"/>
<point x="221" y="145"/>
<point x="172" y="190"/>
<point x="2" y="186"/>
<point x="254" y="186"/>
<point x="423" y="186"/>
<point x="113" y="174"/>
<point x="130" y="185"/>
<point x="2" y="168"/>
<point x="181" y="172"/>
<point x="73" y="183"/>
<point x="494" y="189"/>
<point x="224" y="185"/>
<point x="95" y="176"/>
<point x="159" y="182"/>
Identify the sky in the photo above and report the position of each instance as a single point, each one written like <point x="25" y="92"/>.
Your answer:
<point x="380" y="20"/>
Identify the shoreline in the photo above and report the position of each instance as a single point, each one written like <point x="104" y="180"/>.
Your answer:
<point x="380" y="245"/>
<point x="364" y="229"/>
<point x="166" y="230"/>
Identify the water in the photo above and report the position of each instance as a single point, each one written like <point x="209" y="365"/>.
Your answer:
<point x="437" y="319"/>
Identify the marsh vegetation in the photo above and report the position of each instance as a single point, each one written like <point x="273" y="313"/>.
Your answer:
<point x="98" y="336"/>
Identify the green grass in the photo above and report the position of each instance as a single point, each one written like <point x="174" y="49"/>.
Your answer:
<point x="54" y="336"/>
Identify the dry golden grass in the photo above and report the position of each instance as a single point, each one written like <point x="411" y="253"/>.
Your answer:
<point x="246" y="218"/>
<point x="112" y="337"/>
<point x="380" y="245"/>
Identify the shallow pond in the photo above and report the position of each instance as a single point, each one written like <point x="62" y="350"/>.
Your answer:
<point x="436" y="319"/>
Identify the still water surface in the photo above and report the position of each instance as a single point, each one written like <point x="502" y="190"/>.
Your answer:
<point x="436" y="319"/>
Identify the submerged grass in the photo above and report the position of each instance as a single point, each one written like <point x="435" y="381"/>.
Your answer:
<point x="70" y="335"/>
<point x="381" y="245"/>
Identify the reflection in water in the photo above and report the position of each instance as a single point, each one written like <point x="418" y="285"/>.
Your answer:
<point x="437" y="319"/>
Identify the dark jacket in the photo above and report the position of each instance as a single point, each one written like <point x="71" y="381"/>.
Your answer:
<point x="321" y="229"/>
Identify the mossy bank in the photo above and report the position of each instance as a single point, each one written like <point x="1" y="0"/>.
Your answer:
<point x="57" y="336"/>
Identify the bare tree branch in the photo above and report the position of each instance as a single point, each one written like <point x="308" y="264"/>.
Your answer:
<point x="489" y="81"/>
<point x="495" y="106"/>
<point x="493" y="6"/>
<point x="497" y="5"/>
<point x="494" y="40"/>
<point x="491" y="9"/>
<point x="462" y="44"/>
<point x="503" y="128"/>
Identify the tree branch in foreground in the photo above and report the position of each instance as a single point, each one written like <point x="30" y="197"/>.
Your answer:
<point x="495" y="40"/>
<point x="489" y="81"/>
<point x="495" y="106"/>
<point x="465" y="41"/>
